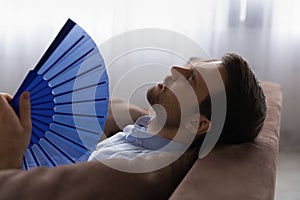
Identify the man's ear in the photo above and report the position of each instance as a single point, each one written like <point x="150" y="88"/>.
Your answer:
<point x="196" y="125"/>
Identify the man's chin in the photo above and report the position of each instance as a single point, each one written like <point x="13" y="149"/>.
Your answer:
<point x="150" y="95"/>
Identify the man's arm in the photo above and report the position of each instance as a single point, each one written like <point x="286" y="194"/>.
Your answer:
<point x="14" y="131"/>
<point x="94" y="180"/>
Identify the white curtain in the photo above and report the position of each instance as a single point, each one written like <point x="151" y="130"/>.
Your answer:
<point x="265" y="32"/>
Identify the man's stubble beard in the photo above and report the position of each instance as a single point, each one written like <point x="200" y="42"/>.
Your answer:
<point x="163" y="113"/>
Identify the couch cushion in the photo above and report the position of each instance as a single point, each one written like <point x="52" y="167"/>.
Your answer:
<point x="243" y="171"/>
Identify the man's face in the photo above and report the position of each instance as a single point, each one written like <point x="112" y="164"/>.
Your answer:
<point x="181" y="92"/>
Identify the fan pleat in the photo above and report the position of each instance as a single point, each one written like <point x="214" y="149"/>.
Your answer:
<point x="57" y="148"/>
<point x="90" y="79"/>
<point x="42" y="112"/>
<point x="71" y="149"/>
<point x="40" y="157"/>
<point x="64" y="55"/>
<point x="47" y="97"/>
<point x="80" y="101"/>
<point x="41" y="126"/>
<point x="73" y="127"/>
<point x="73" y="55"/>
<point x="54" y="153"/>
<point x="49" y="161"/>
<point x="36" y="84"/>
<point x="44" y="105"/>
<point x="41" y="89"/>
<point x="62" y="68"/>
<point x="30" y="86"/>
<point x="66" y="132"/>
<point x="42" y="119"/>
<point x="85" y="94"/>
<point x="84" y="108"/>
<point x="72" y="75"/>
<point x="82" y="122"/>
<point x="34" y="137"/>
<point x="75" y="36"/>
<point x="37" y="132"/>
<point x="29" y="159"/>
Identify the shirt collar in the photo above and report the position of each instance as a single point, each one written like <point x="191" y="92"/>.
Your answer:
<point x="137" y="135"/>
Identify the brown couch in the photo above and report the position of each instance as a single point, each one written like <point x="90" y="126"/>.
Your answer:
<point x="244" y="171"/>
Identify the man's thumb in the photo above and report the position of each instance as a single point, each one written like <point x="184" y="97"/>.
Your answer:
<point x="25" y="111"/>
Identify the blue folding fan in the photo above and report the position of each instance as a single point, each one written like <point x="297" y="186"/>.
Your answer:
<point x="69" y="100"/>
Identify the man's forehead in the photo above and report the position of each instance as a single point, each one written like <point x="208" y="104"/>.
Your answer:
<point x="210" y="64"/>
<point x="208" y="69"/>
<point x="202" y="63"/>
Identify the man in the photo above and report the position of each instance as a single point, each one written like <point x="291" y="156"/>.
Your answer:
<point x="246" y="110"/>
<point x="245" y="113"/>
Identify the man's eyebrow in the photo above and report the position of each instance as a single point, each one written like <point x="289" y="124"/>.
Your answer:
<point x="192" y="69"/>
<point x="193" y="74"/>
<point x="202" y="59"/>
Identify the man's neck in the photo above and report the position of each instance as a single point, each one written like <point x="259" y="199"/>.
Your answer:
<point x="156" y="127"/>
<point x="181" y="135"/>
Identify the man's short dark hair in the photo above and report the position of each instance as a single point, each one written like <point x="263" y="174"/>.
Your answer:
<point x="246" y="105"/>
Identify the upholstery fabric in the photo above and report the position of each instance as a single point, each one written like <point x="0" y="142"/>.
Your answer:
<point x="243" y="171"/>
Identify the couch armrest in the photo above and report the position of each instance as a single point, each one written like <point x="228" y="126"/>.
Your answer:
<point x="243" y="171"/>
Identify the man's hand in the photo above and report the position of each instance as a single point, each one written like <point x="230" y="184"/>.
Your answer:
<point x="14" y="131"/>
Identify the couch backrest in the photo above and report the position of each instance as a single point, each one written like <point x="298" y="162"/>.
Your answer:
<point x="243" y="171"/>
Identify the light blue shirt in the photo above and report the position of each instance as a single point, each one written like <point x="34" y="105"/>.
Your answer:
<point x="133" y="142"/>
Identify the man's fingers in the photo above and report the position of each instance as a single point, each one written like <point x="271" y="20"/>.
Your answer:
<point x="25" y="111"/>
<point x="6" y="96"/>
<point x="3" y="105"/>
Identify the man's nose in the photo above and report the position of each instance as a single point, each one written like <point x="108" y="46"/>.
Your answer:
<point x="180" y="72"/>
